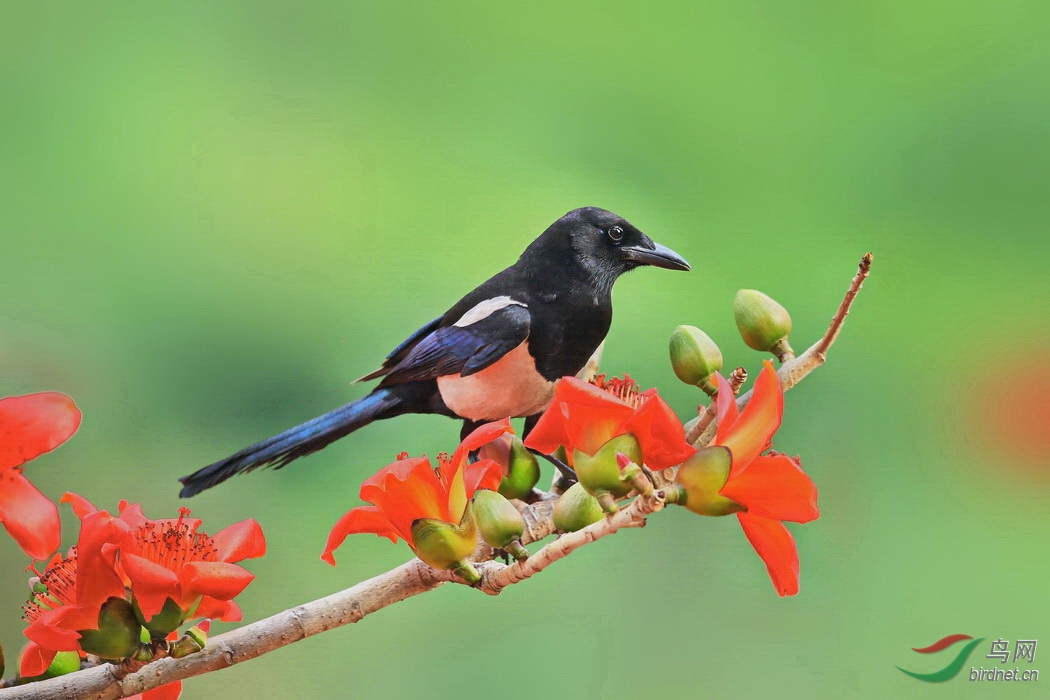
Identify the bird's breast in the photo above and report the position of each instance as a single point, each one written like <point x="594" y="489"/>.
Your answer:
<point x="509" y="387"/>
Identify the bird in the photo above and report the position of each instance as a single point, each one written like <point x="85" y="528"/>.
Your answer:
<point x="496" y="353"/>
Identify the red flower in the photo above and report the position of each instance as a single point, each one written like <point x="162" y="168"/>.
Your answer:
<point x="55" y="616"/>
<point x="410" y="489"/>
<point x="770" y="487"/>
<point x="174" y="572"/>
<point x="584" y="416"/>
<point x="30" y="426"/>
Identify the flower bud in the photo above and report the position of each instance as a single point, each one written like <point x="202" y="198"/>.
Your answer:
<point x="695" y="357"/>
<point x="63" y="663"/>
<point x="446" y="546"/>
<point x="521" y="470"/>
<point x="600" y="473"/>
<point x="117" y="634"/>
<point x="499" y="522"/>
<point x="576" y="509"/>
<point x="192" y="641"/>
<point x="699" y="480"/>
<point x="763" y="323"/>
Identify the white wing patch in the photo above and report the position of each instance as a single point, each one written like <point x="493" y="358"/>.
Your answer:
<point x="486" y="309"/>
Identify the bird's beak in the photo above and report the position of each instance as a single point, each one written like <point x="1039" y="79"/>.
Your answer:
<point x="657" y="256"/>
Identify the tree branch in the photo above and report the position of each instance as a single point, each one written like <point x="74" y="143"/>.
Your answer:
<point x="107" y="681"/>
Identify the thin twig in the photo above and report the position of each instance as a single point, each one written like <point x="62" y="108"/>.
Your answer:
<point x="496" y="578"/>
<point x="793" y="372"/>
<point x="695" y="428"/>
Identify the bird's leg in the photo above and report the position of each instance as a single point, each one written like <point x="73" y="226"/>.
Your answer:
<point x="566" y="476"/>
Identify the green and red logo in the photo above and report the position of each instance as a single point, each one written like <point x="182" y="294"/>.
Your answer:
<point x="953" y="668"/>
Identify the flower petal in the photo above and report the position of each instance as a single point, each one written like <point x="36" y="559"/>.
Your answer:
<point x="359" y="520"/>
<point x="168" y="691"/>
<point x="225" y="610"/>
<point x="750" y="433"/>
<point x="581" y="416"/>
<point x="659" y="432"/>
<point x="725" y="404"/>
<point x="81" y="506"/>
<point x="151" y="583"/>
<point x="30" y="517"/>
<point x="35" y="660"/>
<point x="483" y="474"/>
<point x="243" y="540"/>
<point x="97" y="578"/>
<point x="217" y="579"/>
<point x="777" y="548"/>
<point x="480" y="436"/>
<point x="34" y="424"/>
<point x="406" y="491"/>
<point x="774" y="486"/>
<point x="57" y="629"/>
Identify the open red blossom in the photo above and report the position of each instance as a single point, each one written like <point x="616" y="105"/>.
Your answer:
<point x="586" y="415"/>
<point x="772" y="487"/>
<point x="410" y="489"/>
<point x="55" y="615"/>
<point x="30" y="426"/>
<point x="167" y="559"/>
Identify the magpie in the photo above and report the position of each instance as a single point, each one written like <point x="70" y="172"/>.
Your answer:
<point x="496" y="353"/>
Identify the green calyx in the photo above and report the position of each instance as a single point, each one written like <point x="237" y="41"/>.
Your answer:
<point x="499" y="522"/>
<point x="118" y="631"/>
<point x="576" y="509"/>
<point x="523" y="471"/>
<point x="444" y="545"/>
<point x="694" y="357"/>
<point x="763" y="323"/>
<point x="600" y="473"/>
<point x="166" y="621"/>
<point x="699" y="480"/>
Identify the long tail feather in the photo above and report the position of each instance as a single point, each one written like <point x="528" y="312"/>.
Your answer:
<point x="296" y="442"/>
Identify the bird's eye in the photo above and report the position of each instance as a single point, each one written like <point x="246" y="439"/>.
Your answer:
<point x="616" y="233"/>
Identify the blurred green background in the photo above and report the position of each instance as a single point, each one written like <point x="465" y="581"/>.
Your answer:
<point x="214" y="216"/>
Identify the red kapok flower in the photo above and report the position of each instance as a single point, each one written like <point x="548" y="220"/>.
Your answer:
<point x="55" y="615"/>
<point x="410" y="489"/>
<point x="585" y="416"/>
<point x="30" y="426"/>
<point x="763" y="489"/>
<point x="174" y="571"/>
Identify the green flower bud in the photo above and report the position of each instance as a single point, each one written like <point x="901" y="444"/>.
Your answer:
<point x="763" y="323"/>
<point x="118" y="631"/>
<point x="166" y="621"/>
<point x="446" y="546"/>
<point x="63" y="663"/>
<point x="695" y="357"/>
<point x="191" y="642"/>
<point x="499" y="522"/>
<point x="600" y="473"/>
<point x="699" y="480"/>
<point x="522" y="470"/>
<point x="576" y="509"/>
